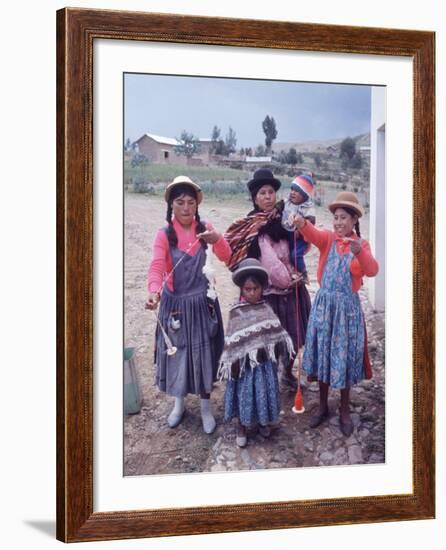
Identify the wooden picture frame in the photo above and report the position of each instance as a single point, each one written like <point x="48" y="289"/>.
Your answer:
<point x="77" y="29"/>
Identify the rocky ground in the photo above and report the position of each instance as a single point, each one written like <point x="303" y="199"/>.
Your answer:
<point x="151" y="447"/>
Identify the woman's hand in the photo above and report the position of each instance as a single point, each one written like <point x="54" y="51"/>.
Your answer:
<point x="152" y="300"/>
<point x="296" y="279"/>
<point x="210" y="236"/>
<point x="355" y="245"/>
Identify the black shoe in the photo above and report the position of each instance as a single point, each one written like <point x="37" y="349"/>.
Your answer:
<point x="317" y="419"/>
<point x="346" y="427"/>
<point x="264" y="431"/>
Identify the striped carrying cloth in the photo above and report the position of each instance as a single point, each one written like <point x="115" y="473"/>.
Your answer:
<point x="241" y="233"/>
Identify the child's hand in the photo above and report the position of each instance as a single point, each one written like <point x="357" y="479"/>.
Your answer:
<point x="210" y="236"/>
<point x="355" y="245"/>
<point x="152" y="300"/>
<point x="298" y="221"/>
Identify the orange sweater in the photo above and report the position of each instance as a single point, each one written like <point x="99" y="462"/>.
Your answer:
<point x="362" y="264"/>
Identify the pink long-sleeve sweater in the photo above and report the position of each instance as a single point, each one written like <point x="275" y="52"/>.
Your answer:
<point x="275" y="258"/>
<point x="362" y="264"/>
<point x="161" y="263"/>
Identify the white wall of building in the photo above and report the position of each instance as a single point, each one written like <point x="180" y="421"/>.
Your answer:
<point x="377" y="232"/>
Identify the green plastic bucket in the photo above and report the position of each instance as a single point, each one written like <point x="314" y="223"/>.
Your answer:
<point x="132" y="397"/>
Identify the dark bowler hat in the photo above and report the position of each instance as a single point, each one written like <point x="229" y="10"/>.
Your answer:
<point x="263" y="176"/>
<point x="247" y="267"/>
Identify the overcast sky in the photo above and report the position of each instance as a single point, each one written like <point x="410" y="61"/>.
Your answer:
<point x="166" y="105"/>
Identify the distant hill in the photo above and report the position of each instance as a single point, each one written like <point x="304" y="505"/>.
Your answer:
<point x="317" y="145"/>
<point x="363" y="140"/>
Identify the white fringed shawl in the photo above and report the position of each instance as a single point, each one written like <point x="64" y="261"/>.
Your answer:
<point x="254" y="334"/>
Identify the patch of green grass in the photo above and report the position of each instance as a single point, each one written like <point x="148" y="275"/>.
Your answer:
<point x="161" y="173"/>
<point x="215" y="181"/>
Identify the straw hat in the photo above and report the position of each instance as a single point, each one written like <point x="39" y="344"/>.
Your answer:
<point x="183" y="180"/>
<point x="247" y="267"/>
<point x="346" y="199"/>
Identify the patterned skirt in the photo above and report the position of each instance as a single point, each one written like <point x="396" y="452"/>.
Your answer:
<point x="254" y="397"/>
<point x="334" y="348"/>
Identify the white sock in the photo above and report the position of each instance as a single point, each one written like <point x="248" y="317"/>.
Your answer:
<point x="178" y="405"/>
<point x="207" y="418"/>
<point x="176" y="414"/>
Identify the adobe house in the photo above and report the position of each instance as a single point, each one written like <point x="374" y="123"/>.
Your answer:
<point x="206" y="145"/>
<point x="203" y="156"/>
<point x="159" y="149"/>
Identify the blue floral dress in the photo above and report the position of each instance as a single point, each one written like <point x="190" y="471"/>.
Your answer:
<point x="334" y="346"/>
<point x="254" y="398"/>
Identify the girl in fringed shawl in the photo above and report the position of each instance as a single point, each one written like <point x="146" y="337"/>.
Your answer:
<point x="254" y="344"/>
<point x="260" y="235"/>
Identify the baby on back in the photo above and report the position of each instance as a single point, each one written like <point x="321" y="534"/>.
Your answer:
<point x="299" y="202"/>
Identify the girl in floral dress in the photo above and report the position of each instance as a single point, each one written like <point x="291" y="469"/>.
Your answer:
<point x="336" y="344"/>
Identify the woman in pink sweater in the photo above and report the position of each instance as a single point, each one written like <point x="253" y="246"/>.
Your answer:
<point x="191" y="319"/>
<point x="336" y="345"/>
<point x="260" y="235"/>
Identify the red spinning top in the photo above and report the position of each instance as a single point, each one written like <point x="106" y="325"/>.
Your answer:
<point x="298" y="407"/>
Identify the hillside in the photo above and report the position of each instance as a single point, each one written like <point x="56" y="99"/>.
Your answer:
<point x="316" y="146"/>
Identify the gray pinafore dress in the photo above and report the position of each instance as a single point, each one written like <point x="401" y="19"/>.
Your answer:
<point x="334" y="345"/>
<point x="194" y="324"/>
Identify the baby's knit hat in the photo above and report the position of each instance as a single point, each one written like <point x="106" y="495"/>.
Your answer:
<point x="304" y="184"/>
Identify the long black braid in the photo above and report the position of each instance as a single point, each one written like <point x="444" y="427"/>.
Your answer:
<point x="170" y="231"/>
<point x="178" y="191"/>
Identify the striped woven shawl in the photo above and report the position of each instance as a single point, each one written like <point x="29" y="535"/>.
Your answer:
<point x="241" y="233"/>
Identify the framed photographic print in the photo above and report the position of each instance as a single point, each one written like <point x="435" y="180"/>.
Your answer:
<point x="162" y="117"/>
<point x="222" y="165"/>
